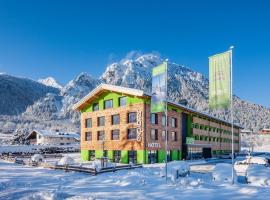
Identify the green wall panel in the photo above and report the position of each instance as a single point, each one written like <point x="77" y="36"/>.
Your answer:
<point x="85" y="155"/>
<point x="174" y="155"/>
<point x="115" y="97"/>
<point x="124" y="156"/>
<point x="110" y="154"/>
<point x="99" y="153"/>
<point x="161" y="156"/>
<point x="142" y="156"/>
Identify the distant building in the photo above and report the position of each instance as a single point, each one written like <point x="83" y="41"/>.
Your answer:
<point x="44" y="137"/>
<point x="264" y="131"/>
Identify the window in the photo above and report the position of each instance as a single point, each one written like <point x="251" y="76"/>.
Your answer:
<point x="100" y="135"/>
<point x="115" y="119"/>
<point x="154" y="118"/>
<point x="116" y="156"/>
<point x="39" y="136"/>
<point x="163" y="135"/>
<point x="174" y="136"/>
<point x="132" y="133"/>
<point x="88" y="123"/>
<point x="101" y="121"/>
<point x="132" y="117"/>
<point x="108" y="104"/>
<point x="122" y="101"/>
<point x="174" y="122"/>
<point x="88" y="136"/>
<point x="163" y="120"/>
<point x="115" y="134"/>
<point x="154" y="134"/>
<point x="95" y="107"/>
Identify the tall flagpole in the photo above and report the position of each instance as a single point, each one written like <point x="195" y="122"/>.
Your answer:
<point x="166" y="122"/>
<point x="231" y="49"/>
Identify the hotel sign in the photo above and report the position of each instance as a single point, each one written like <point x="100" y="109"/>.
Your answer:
<point x="153" y="145"/>
<point x="190" y="140"/>
<point x="139" y="125"/>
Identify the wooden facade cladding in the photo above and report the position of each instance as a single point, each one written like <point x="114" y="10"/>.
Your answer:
<point x="172" y="145"/>
<point x="123" y="143"/>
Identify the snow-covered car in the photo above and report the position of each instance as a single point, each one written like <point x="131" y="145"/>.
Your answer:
<point x="254" y="160"/>
<point x="66" y="161"/>
<point x="222" y="173"/>
<point x="179" y="168"/>
<point x="258" y="175"/>
<point x="37" y="158"/>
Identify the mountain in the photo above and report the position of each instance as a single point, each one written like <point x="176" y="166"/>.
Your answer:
<point x="50" y="81"/>
<point x="17" y="94"/>
<point x="26" y="104"/>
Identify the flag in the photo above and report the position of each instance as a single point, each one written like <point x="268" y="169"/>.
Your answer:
<point x="219" y="80"/>
<point x="159" y="88"/>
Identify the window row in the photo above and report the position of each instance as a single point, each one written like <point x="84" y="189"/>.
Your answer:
<point x="115" y="135"/>
<point x="213" y="129"/>
<point x="122" y="101"/>
<point x="154" y="120"/>
<point x="115" y="119"/>
<point x="214" y="139"/>
<point x="155" y="135"/>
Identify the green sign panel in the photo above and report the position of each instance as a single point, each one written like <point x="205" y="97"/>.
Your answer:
<point x="219" y="80"/>
<point x="190" y="140"/>
<point x="159" y="88"/>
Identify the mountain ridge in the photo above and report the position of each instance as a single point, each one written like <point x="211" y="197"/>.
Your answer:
<point x="53" y="108"/>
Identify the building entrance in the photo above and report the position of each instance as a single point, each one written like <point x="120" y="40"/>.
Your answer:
<point x="132" y="157"/>
<point x="152" y="157"/>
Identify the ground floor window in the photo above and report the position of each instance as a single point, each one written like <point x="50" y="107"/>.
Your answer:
<point x="116" y="156"/>
<point x="132" y="157"/>
<point x="152" y="157"/>
<point x="168" y="156"/>
<point x="92" y="154"/>
<point x="194" y="153"/>
<point x="105" y="153"/>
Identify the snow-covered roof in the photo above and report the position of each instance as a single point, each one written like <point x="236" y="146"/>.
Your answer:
<point x="108" y="87"/>
<point x="47" y="133"/>
<point x="140" y="93"/>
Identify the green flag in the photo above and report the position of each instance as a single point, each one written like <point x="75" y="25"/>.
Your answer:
<point x="159" y="88"/>
<point x="219" y="80"/>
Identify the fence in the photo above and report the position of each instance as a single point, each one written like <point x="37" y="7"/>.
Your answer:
<point x="92" y="171"/>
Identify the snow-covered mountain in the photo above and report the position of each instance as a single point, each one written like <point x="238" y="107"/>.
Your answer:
<point x="50" y="108"/>
<point x="16" y="94"/>
<point x="50" y="81"/>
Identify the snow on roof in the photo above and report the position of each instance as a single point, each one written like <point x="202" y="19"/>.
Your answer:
<point x="139" y="93"/>
<point x="55" y="134"/>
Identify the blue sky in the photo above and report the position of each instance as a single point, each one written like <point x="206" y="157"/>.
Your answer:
<point x="63" y="38"/>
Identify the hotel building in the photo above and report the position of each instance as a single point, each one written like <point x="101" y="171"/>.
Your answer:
<point x="116" y="122"/>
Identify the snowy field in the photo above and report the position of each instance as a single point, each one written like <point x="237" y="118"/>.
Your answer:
<point x="30" y="183"/>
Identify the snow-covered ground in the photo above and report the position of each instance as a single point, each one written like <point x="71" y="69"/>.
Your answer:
<point x="22" y="182"/>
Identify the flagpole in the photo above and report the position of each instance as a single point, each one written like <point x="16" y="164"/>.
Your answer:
<point x="166" y="122"/>
<point x="232" y="130"/>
